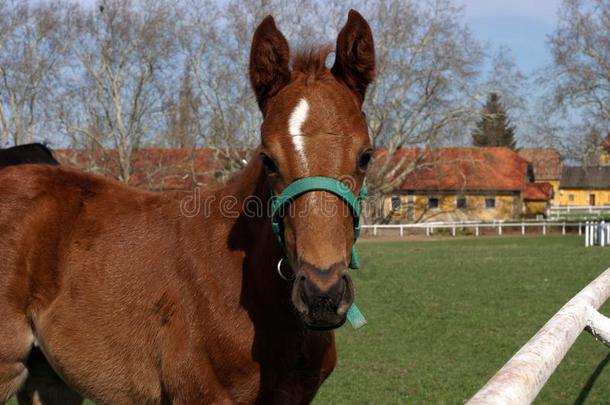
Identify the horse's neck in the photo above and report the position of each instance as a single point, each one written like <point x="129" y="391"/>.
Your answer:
<point x="245" y="201"/>
<point x="251" y="235"/>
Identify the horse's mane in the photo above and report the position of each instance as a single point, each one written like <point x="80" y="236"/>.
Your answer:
<point x="311" y="60"/>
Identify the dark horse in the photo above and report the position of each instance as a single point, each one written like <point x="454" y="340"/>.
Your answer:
<point x="135" y="299"/>
<point x="24" y="154"/>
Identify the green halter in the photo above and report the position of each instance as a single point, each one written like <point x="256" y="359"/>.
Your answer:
<point x="314" y="183"/>
<point x="318" y="183"/>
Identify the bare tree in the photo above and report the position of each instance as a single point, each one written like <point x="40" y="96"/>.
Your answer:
<point x="505" y="79"/>
<point x="580" y="77"/>
<point x="576" y="103"/>
<point x="124" y="57"/>
<point x="31" y="52"/>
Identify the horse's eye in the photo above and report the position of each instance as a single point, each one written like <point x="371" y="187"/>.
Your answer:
<point x="364" y="160"/>
<point x="269" y="164"/>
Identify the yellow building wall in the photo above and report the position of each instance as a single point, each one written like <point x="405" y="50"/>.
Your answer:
<point x="533" y="208"/>
<point x="604" y="158"/>
<point x="447" y="210"/>
<point x="581" y="197"/>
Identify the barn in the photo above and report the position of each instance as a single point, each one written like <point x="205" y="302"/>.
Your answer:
<point x="458" y="184"/>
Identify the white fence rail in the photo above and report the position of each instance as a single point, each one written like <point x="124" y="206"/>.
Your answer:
<point x="583" y="210"/>
<point x="597" y="234"/>
<point x="430" y="227"/>
<point x="524" y="375"/>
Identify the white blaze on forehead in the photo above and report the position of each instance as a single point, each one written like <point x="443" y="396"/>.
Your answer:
<point x="295" y="125"/>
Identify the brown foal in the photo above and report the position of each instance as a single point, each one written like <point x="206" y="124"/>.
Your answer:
<point x="129" y="298"/>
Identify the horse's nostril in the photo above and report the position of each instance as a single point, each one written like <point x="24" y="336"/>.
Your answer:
<point x="347" y="294"/>
<point x="299" y="295"/>
<point x="322" y="297"/>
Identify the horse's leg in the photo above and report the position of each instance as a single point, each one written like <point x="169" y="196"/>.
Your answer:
<point x="43" y="386"/>
<point x="16" y="341"/>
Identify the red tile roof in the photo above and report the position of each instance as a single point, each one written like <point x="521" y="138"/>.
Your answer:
<point x="154" y="168"/>
<point x="545" y="161"/>
<point x="491" y="169"/>
<point x="456" y="169"/>
<point x="538" y="192"/>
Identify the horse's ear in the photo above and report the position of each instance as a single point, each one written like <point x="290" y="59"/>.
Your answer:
<point x="269" y="62"/>
<point x="355" y="55"/>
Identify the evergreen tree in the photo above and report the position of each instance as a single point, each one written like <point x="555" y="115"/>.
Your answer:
<point x="184" y="115"/>
<point x="494" y="127"/>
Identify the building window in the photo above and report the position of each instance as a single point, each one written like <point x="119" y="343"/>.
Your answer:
<point x="460" y="203"/>
<point x="571" y="197"/>
<point x="396" y="202"/>
<point x="490" y="202"/>
<point x="432" y="202"/>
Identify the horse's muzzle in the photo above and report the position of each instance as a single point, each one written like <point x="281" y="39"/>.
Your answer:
<point x="322" y="297"/>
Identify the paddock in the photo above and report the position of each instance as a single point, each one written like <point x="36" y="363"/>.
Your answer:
<point x="524" y="375"/>
<point x="445" y="315"/>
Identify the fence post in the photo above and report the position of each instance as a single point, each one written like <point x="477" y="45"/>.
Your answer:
<point x="522" y="228"/>
<point x="401" y="231"/>
<point x="427" y="231"/>
<point x="453" y="230"/>
<point x="476" y="231"/>
<point x="374" y="230"/>
<point x="563" y="229"/>
<point x="587" y="231"/>
<point x="579" y="229"/>
<point x="544" y="228"/>
<point x="593" y="234"/>
<point x="500" y="228"/>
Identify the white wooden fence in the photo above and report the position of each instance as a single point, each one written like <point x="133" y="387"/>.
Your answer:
<point x="524" y="375"/>
<point x="597" y="234"/>
<point x="579" y="210"/>
<point x="429" y="228"/>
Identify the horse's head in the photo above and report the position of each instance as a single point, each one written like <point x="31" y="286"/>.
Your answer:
<point x="313" y="126"/>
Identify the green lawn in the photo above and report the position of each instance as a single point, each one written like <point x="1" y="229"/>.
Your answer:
<point x="445" y="315"/>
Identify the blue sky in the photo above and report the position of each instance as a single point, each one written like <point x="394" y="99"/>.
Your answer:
<point x="522" y="25"/>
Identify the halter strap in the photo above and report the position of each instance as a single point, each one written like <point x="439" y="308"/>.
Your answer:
<point x="317" y="183"/>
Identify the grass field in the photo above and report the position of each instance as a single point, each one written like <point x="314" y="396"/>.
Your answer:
<point x="445" y="315"/>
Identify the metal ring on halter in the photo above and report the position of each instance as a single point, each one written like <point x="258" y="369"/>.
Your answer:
<point x="279" y="270"/>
